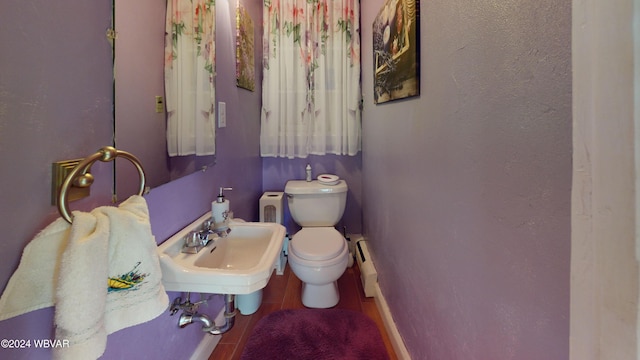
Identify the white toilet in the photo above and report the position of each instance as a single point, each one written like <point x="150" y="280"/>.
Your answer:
<point x="318" y="254"/>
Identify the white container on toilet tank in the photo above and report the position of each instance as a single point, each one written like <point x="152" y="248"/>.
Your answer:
<point x="314" y="204"/>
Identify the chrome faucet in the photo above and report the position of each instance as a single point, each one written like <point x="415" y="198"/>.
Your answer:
<point x="190" y="314"/>
<point x="195" y="241"/>
<point x="220" y="229"/>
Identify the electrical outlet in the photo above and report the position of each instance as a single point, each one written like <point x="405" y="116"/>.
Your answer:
<point x="222" y="114"/>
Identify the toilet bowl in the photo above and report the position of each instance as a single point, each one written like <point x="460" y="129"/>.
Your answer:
<point x="318" y="257"/>
<point x="318" y="253"/>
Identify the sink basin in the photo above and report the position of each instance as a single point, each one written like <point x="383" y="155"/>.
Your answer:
<point x="240" y="263"/>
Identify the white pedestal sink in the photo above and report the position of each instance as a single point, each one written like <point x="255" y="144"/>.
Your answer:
<point x="240" y="263"/>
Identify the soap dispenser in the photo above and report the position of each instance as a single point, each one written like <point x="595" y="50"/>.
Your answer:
<point x="308" y="172"/>
<point x="220" y="212"/>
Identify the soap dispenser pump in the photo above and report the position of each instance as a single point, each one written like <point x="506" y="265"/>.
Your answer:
<point x="220" y="198"/>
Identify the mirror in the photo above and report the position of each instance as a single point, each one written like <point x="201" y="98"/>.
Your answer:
<point x="140" y="127"/>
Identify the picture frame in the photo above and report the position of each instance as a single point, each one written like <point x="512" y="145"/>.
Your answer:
<point x="396" y="51"/>
<point x="245" y="65"/>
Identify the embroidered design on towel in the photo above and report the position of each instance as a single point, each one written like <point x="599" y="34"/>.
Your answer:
<point x="129" y="281"/>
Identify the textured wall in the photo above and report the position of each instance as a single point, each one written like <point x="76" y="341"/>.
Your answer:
<point x="467" y="204"/>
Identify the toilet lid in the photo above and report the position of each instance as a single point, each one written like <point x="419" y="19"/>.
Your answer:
<point x="320" y="243"/>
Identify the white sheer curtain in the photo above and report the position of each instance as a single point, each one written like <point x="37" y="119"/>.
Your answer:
<point x="311" y="87"/>
<point x="190" y="77"/>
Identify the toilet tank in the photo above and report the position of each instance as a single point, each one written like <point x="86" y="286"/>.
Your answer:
<point x="314" y="204"/>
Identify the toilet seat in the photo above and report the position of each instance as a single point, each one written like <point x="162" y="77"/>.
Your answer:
<point x="317" y="243"/>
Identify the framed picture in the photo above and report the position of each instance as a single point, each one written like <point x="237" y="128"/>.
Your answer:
<point x="245" y="68"/>
<point x="396" y="51"/>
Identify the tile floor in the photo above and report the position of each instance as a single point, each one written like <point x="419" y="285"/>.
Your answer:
<point x="283" y="292"/>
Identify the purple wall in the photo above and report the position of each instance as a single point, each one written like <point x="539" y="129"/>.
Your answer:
<point x="467" y="205"/>
<point x="56" y="99"/>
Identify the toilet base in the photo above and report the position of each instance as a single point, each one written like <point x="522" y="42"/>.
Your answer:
<point x="320" y="296"/>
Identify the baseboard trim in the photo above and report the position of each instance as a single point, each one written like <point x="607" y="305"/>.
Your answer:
<point x="208" y="342"/>
<point x="390" y="325"/>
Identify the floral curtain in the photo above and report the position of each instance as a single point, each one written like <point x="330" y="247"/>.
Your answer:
<point x="190" y="77"/>
<point x="311" y="87"/>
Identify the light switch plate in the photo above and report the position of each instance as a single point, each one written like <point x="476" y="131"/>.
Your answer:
<point x="222" y="114"/>
<point x="159" y="104"/>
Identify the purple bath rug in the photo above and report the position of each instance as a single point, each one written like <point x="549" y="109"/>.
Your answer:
<point x="315" y="334"/>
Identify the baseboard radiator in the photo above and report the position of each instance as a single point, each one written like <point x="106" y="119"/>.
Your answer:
<point x="368" y="274"/>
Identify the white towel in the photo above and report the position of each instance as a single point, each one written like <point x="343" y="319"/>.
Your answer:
<point x="32" y="285"/>
<point x="108" y="247"/>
